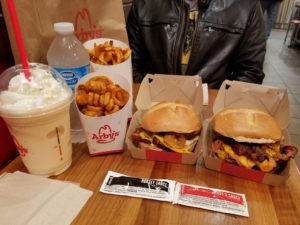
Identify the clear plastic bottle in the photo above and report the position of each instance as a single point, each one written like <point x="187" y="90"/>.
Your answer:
<point x="67" y="55"/>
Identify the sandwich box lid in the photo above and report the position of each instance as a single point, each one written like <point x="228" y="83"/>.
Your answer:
<point x="160" y="87"/>
<point x="237" y="94"/>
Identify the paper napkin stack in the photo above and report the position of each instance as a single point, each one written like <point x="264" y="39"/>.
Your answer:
<point x="34" y="200"/>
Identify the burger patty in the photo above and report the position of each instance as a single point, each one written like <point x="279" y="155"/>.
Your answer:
<point x="253" y="151"/>
<point x="136" y="136"/>
<point x="257" y="152"/>
<point x="167" y="141"/>
<point x="266" y="157"/>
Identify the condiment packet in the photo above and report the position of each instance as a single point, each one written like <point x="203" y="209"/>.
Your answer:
<point x="177" y="193"/>
<point x="211" y="199"/>
<point x="120" y="184"/>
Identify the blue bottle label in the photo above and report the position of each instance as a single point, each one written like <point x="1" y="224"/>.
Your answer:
<point x="72" y="75"/>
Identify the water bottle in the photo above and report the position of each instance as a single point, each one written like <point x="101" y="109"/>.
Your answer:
<point x="67" y="55"/>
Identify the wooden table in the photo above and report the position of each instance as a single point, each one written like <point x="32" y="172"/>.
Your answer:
<point x="267" y="205"/>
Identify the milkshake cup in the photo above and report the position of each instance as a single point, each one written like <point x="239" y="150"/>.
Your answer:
<point x="37" y="115"/>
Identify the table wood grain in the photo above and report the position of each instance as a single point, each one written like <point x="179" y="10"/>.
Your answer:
<point x="267" y="205"/>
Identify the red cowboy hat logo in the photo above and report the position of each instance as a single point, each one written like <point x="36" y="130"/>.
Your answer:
<point x="84" y="28"/>
<point x="105" y="135"/>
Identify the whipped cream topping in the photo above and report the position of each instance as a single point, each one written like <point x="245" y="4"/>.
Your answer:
<point x="41" y="93"/>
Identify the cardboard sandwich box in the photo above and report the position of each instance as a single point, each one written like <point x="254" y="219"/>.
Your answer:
<point x="158" y="88"/>
<point x="234" y="94"/>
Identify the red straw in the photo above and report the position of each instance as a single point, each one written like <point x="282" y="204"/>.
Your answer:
<point x="18" y="35"/>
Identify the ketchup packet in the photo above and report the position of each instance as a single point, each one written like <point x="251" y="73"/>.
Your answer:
<point x="211" y="199"/>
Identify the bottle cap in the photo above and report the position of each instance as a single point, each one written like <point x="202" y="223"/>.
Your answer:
<point x="64" y="28"/>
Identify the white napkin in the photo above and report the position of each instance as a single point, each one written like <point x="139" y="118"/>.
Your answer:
<point x="35" y="200"/>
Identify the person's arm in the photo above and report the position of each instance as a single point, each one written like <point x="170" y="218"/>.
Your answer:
<point x="247" y="62"/>
<point x="139" y="58"/>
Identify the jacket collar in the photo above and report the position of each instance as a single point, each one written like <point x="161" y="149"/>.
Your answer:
<point x="203" y="2"/>
<point x="200" y="2"/>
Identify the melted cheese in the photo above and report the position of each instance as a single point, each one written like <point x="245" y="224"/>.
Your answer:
<point x="270" y="152"/>
<point x="243" y="160"/>
<point x="144" y="135"/>
<point x="188" y="148"/>
<point x="178" y="150"/>
<point x="274" y="152"/>
<point x="222" y="154"/>
<point x="266" y="165"/>
<point x="248" y="163"/>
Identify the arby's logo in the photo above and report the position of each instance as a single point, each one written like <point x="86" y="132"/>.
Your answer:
<point x="84" y="28"/>
<point x="105" y="135"/>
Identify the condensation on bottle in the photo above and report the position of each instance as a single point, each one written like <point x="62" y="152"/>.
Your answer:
<point x="67" y="55"/>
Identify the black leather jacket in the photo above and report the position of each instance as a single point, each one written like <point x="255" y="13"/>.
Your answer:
<point x="229" y="41"/>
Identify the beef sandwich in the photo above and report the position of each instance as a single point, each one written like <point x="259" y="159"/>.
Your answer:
<point x="168" y="126"/>
<point x="250" y="138"/>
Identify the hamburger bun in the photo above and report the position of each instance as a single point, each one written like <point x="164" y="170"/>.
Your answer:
<point x="247" y="125"/>
<point x="171" y="117"/>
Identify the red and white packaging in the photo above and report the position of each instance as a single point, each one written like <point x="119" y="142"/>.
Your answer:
<point x="105" y="134"/>
<point x="211" y="199"/>
<point x="158" y="88"/>
<point x="177" y="193"/>
<point x="236" y="94"/>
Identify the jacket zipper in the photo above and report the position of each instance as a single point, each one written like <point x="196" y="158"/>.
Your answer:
<point x="193" y="41"/>
<point x="178" y="42"/>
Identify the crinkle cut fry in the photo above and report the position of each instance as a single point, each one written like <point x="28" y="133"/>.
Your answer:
<point x="107" y="54"/>
<point x="99" y="96"/>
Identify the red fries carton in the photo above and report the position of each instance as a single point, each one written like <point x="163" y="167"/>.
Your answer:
<point x="158" y="88"/>
<point x="234" y="94"/>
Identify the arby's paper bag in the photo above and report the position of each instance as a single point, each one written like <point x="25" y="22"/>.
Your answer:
<point x="91" y="18"/>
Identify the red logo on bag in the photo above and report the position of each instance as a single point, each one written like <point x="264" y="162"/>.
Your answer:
<point x="22" y="151"/>
<point x="105" y="135"/>
<point x="84" y="29"/>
